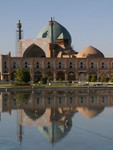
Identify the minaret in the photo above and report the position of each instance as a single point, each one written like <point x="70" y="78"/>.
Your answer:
<point x="19" y="35"/>
<point x="52" y="42"/>
<point x="19" y="31"/>
<point x="51" y="26"/>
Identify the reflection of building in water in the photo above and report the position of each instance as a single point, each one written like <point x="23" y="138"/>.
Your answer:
<point x="47" y="99"/>
<point x="52" y="111"/>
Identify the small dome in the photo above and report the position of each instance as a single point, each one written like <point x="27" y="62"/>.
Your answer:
<point x="59" y="32"/>
<point x="89" y="51"/>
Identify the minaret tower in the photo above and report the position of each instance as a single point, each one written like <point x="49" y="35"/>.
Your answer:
<point x="19" y="31"/>
<point x="19" y="35"/>
<point x="52" y="42"/>
<point x="51" y="26"/>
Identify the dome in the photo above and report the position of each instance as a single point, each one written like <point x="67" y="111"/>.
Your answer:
<point x="89" y="51"/>
<point x="59" y="32"/>
<point x="90" y="112"/>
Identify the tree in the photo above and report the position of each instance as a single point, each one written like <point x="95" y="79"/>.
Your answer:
<point x="112" y="79"/>
<point x="88" y="79"/>
<point x="102" y="79"/>
<point x="44" y="80"/>
<point x="22" y="75"/>
<point x="22" y="97"/>
<point x="93" y="79"/>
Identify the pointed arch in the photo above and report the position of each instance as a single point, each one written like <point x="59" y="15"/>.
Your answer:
<point x="34" y="51"/>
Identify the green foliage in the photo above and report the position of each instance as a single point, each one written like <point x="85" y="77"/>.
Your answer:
<point x="93" y="79"/>
<point x="99" y="79"/>
<point x="112" y="79"/>
<point x="49" y="79"/>
<point x="22" y="97"/>
<point x="70" y="81"/>
<point x="88" y="79"/>
<point x="60" y="79"/>
<point x="22" y="75"/>
<point x="44" y="80"/>
<point x="104" y="79"/>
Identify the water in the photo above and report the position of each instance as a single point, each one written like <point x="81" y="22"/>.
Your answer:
<point x="58" y="120"/>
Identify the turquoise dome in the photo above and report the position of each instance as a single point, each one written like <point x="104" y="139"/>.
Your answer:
<point x="59" y="32"/>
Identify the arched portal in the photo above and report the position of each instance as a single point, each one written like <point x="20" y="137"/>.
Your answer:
<point x="34" y="51"/>
<point x="60" y="75"/>
<point x="49" y="75"/>
<point x="37" y="76"/>
<point x="71" y="76"/>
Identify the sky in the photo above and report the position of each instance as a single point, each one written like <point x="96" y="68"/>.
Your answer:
<point x="90" y="22"/>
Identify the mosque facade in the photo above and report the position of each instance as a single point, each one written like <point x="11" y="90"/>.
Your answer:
<point x="51" y="55"/>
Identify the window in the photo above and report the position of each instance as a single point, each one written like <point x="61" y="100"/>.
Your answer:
<point x="59" y="64"/>
<point x="81" y="65"/>
<point x="92" y="99"/>
<point x="37" y="100"/>
<point x="49" y="101"/>
<point x="5" y="64"/>
<point x="48" y="65"/>
<point x="102" y="64"/>
<point x="70" y="100"/>
<point x="60" y="100"/>
<point x="70" y="64"/>
<point x="92" y="65"/>
<point x="112" y="65"/>
<point x="14" y="65"/>
<point x="37" y="65"/>
<point x="25" y="64"/>
<point x="103" y="99"/>
<point x="81" y="99"/>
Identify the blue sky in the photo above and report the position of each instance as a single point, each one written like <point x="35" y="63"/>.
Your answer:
<point x="90" y="22"/>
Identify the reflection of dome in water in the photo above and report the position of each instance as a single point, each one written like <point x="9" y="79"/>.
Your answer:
<point x="59" y="32"/>
<point x="54" y="132"/>
<point x="34" y="114"/>
<point x="90" y="112"/>
<point x="90" y="51"/>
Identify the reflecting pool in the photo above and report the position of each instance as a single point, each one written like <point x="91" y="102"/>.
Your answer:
<point x="56" y="120"/>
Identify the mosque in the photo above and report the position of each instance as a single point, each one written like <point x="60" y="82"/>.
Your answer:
<point x="51" y="55"/>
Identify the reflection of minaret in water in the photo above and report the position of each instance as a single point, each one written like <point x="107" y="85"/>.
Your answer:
<point x="0" y="116"/>
<point x="20" y="131"/>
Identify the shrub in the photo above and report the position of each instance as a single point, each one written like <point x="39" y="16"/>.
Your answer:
<point x="49" y="79"/>
<point x="22" y="75"/>
<point x="70" y="81"/>
<point x="112" y="79"/>
<point x="102" y="79"/>
<point x="60" y="79"/>
<point x="93" y="79"/>
<point x="88" y="79"/>
<point x="44" y="80"/>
